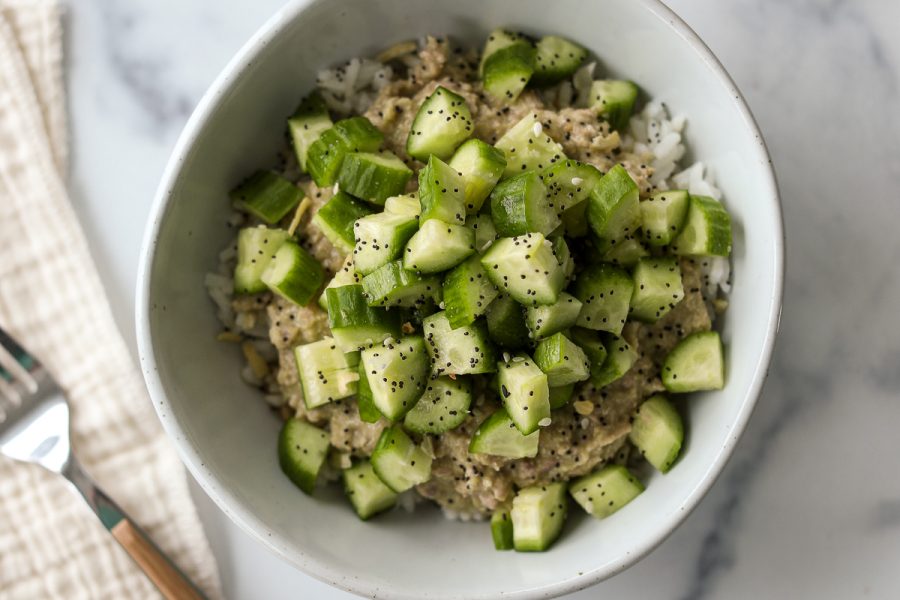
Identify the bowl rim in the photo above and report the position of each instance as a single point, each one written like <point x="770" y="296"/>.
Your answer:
<point x="227" y="501"/>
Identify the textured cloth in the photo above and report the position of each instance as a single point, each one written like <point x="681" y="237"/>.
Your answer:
<point x="51" y="299"/>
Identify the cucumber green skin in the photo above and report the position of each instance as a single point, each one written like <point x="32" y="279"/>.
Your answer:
<point x="514" y="257"/>
<point x="626" y="252"/>
<point x="657" y="432"/>
<point x="325" y="155"/>
<point x="442" y="341"/>
<point x="368" y="494"/>
<point x="481" y="166"/>
<point x="371" y="252"/>
<point x="368" y="412"/>
<point x="506" y="72"/>
<point x="563" y="255"/>
<point x="614" y="101"/>
<point x="485" y="232"/>
<point x="444" y="405"/>
<point x="706" y="230"/>
<point x="373" y="177"/>
<point x="619" y="360"/>
<point x="614" y="209"/>
<point x="468" y="293"/>
<point x="305" y="130"/>
<point x="250" y="265"/>
<point x="663" y="215"/>
<point x="556" y="59"/>
<point x="442" y="193"/>
<point x="657" y="288"/>
<point x="605" y="292"/>
<point x="336" y="218"/>
<point x="441" y="124"/>
<point x="302" y="449"/>
<point x="304" y="280"/>
<point x="546" y="504"/>
<point x="519" y="206"/>
<point x="313" y="105"/>
<point x="348" y="312"/>
<point x="392" y="285"/>
<point x="506" y="323"/>
<point x="544" y="321"/>
<point x="592" y="346"/>
<point x="497" y="40"/>
<point x="398" y="462"/>
<point x="498" y="436"/>
<point x="575" y="221"/>
<point x="604" y="492"/>
<point x="438" y="246"/>
<point x="346" y="276"/>
<point x="526" y="151"/>
<point x="328" y="360"/>
<point x="561" y="192"/>
<point x="561" y="395"/>
<point x="267" y="195"/>
<point x="529" y="403"/>
<point x="562" y="361"/>
<point x="695" y="364"/>
<point x="502" y="529"/>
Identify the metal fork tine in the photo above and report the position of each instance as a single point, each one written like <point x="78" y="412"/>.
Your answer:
<point x="16" y="361"/>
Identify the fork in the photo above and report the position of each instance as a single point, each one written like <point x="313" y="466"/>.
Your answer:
<point x="34" y="427"/>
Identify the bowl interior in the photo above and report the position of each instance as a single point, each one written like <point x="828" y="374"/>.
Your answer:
<point x="227" y="435"/>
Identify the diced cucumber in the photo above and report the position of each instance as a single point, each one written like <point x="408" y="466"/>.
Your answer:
<point x="614" y="210"/>
<point x="556" y="59"/>
<point x="438" y="246"/>
<point x="267" y="195"/>
<point x="407" y="204"/>
<point x="605" y="293"/>
<point x="442" y="123"/>
<point x="526" y="268"/>
<point x="326" y="154"/>
<point x="619" y="360"/>
<point x="525" y="393"/>
<point x="561" y="395"/>
<point x="519" y="205"/>
<point x="605" y="491"/>
<point x="302" y="449"/>
<point x="614" y="101"/>
<point x="399" y="462"/>
<point x="373" y="177"/>
<point x="695" y="364"/>
<point x="662" y="216"/>
<point x="528" y="148"/>
<point x="501" y="529"/>
<point x="481" y="166"/>
<point x="543" y="321"/>
<point x="657" y="432"/>
<point x="498" y="436"/>
<point x="569" y="183"/>
<point x="392" y="285"/>
<point x="256" y="247"/>
<point x="657" y="288"/>
<point x="336" y="219"/>
<point x="562" y="361"/>
<point x="396" y="372"/>
<point x="506" y="323"/>
<point x="497" y="40"/>
<point x="507" y="71"/>
<point x="347" y="275"/>
<point x="443" y="406"/>
<point x="592" y="346"/>
<point x="442" y="193"/>
<point x="485" y="232"/>
<point x="467" y="292"/>
<point x="380" y="238"/>
<point x="706" y="231"/>
<point x="294" y="274"/>
<point x="563" y="255"/>
<point x="356" y="325"/>
<point x="538" y="514"/>
<point x="326" y="373"/>
<point x="368" y="412"/>
<point x="367" y="493"/>
<point x="575" y="221"/>
<point x="626" y="252"/>
<point x="309" y="121"/>
<point x="461" y="351"/>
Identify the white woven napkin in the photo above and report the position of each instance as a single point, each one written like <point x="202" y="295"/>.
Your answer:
<point x="51" y="545"/>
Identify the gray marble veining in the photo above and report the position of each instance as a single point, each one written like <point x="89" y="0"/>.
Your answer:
<point x="810" y="504"/>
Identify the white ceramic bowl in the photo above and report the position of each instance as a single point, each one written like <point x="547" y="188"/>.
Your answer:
<point x="224" y="431"/>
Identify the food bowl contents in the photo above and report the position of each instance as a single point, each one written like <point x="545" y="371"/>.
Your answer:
<point x="480" y="279"/>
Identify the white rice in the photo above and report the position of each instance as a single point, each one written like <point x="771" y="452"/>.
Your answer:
<point x="220" y="289"/>
<point x="351" y="88"/>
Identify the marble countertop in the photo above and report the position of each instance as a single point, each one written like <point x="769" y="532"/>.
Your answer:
<point x="809" y="505"/>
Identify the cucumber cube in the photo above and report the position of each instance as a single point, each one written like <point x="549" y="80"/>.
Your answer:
<point x="438" y="246"/>
<point x="563" y="255"/>
<point x="256" y="247"/>
<point x="308" y="122"/>
<point x="294" y="274"/>
<point x="592" y="346"/>
<point x="267" y="195"/>
<point x="485" y="232"/>
<point x="519" y="205"/>
<point x="614" y="101"/>
<point x="506" y="72"/>
<point x="614" y="210"/>
<point x="525" y="392"/>
<point x="528" y="148"/>
<point x="356" y="325"/>
<point x="544" y="321"/>
<point x="657" y="432"/>
<point x="467" y="292"/>
<point x="506" y="323"/>
<point x="605" y="491"/>
<point x="561" y="396"/>
<point x="367" y="493"/>
<point x="380" y="238"/>
<point x="302" y="449"/>
<point x="497" y="40"/>
<point x="365" y="403"/>
<point x="461" y="351"/>
<point x="392" y="285"/>
<point x="347" y="275"/>
<point x="525" y="268"/>
<point x="706" y="231"/>
<point x="657" y="288"/>
<point x="481" y="166"/>
<point x="626" y="252"/>
<point x="619" y="360"/>
<point x="336" y="220"/>
<point x="605" y="293"/>
<point x="407" y="204"/>
<point x="556" y="59"/>
<point x="569" y="183"/>
<point x="662" y="216"/>
<point x="562" y="361"/>
<point x="498" y="436"/>
<point x="443" y="406"/>
<point x="442" y="193"/>
<point x="538" y="514"/>
<point x="695" y="364"/>
<point x="373" y="177"/>
<point x="501" y="529"/>
<point x="326" y="154"/>
<point x="326" y="373"/>
<point x="399" y="462"/>
<point x="396" y="372"/>
<point x="442" y="123"/>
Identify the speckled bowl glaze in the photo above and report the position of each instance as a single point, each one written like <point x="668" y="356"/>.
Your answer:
<point x="225" y="433"/>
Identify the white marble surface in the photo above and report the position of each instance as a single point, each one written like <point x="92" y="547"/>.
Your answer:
<point x="810" y="504"/>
